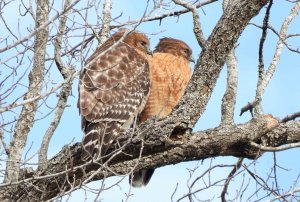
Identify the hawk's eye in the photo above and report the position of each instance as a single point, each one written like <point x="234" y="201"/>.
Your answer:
<point x="143" y="43"/>
<point x="186" y="51"/>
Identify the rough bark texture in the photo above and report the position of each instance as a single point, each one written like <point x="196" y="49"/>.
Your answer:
<point x="168" y="141"/>
<point x="64" y="93"/>
<point x="36" y="76"/>
<point x="66" y="167"/>
<point x="229" y="98"/>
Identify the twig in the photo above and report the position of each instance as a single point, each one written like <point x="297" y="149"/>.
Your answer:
<point x="3" y="142"/>
<point x="33" y="99"/>
<point x="279" y="148"/>
<point x="172" y="196"/>
<point x="161" y="17"/>
<point x="260" y="181"/>
<point x="284" y="42"/>
<point x="272" y="67"/>
<point x="290" y="117"/>
<point x="43" y="26"/>
<point x="230" y="177"/>
<point x="290" y="193"/>
<point x="250" y="106"/>
<point x="197" y="26"/>
<point x="261" y="71"/>
<point x="145" y="19"/>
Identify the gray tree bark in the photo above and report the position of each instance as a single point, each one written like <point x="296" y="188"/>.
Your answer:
<point x="36" y="77"/>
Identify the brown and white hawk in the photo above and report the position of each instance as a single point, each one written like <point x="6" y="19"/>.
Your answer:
<point x="170" y="74"/>
<point x="113" y="90"/>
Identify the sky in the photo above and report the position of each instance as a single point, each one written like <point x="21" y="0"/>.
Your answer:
<point x="281" y="98"/>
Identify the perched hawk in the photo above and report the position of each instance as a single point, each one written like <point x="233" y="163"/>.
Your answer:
<point x="113" y="90"/>
<point x="170" y="73"/>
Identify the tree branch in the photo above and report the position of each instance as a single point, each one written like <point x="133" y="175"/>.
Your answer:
<point x="291" y="117"/>
<point x="229" y="98"/>
<point x="28" y="112"/>
<point x="230" y="177"/>
<point x="261" y="67"/>
<point x="197" y="26"/>
<point x="41" y="27"/>
<point x="64" y="93"/>
<point x="106" y="18"/>
<point x="158" y="151"/>
<point x="266" y="77"/>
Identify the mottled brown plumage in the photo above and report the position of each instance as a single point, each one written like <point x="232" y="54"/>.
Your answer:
<point x="170" y="73"/>
<point x="113" y="90"/>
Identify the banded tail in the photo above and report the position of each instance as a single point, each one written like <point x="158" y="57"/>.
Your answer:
<point x="97" y="138"/>
<point x="141" y="178"/>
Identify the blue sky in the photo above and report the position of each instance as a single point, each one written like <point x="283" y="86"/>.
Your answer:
<point x="281" y="98"/>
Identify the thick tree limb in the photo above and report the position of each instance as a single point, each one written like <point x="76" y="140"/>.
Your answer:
<point x="158" y="151"/>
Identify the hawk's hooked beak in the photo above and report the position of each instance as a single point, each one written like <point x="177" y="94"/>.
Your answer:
<point x="192" y="60"/>
<point x="149" y="52"/>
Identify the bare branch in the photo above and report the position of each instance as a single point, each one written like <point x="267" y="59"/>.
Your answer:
<point x="282" y="196"/>
<point x="275" y="32"/>
<point x="166" y="15"/>
<point x="291" y="117"/>
<point x="64" y="93"/>
<point x="106" y="19"/>
<point x="3" y="142"/>
<point x="261" y="182"/>
<point x="229" y="98"/>
<point x="159" y="147"/>
<point x="272" y="67"/>
<point x="38" y="97"/>
<point x="280" y="148"/>
<point x="197" y="26"/>
<point x="261" y="71"/>
<point x="230" y="176"/>
<point x="41" y="27"/>
<point x="250" y="107"/>
<point x="36" y="76"/>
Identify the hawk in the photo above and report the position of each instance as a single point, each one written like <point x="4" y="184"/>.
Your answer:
<point x="170" y="74"/>
<point x="113" y="90"/>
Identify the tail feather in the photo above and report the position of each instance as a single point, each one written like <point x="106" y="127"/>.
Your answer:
<point x="141" y="178"/>
<point x="97" y="139"/>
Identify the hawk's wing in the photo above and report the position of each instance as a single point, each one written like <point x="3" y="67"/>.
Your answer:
<point x="112" y="91"/>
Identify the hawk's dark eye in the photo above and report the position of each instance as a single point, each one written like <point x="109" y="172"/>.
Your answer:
<point x="186" y="51"/>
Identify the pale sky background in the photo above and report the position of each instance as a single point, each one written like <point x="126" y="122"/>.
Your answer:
<point x="281" y="98"/>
